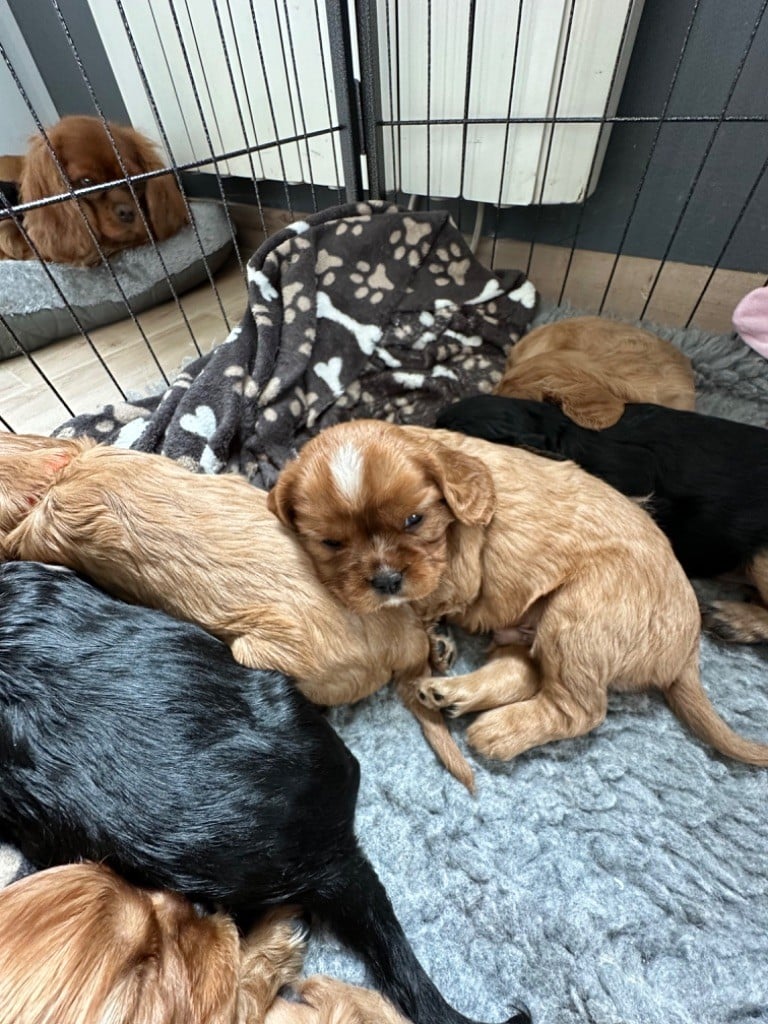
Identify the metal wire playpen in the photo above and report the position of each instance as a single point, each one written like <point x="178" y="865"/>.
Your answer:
<point x="615" y="150"/>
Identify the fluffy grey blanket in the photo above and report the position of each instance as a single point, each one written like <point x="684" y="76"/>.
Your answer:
<point x="619" y="878"/>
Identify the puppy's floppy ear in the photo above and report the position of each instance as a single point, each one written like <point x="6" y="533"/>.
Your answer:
<point x="590" y="405"/>
<point x="466" y="484"/>
<point x="165" y="205"/>
<point x="280" y="500"/>
<point x="59" y="232"/>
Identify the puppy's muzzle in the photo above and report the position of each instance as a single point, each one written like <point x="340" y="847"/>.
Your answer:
<point x="387" y="582"/>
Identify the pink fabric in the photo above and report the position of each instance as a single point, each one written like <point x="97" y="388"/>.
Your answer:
<point x="750" y="319"/>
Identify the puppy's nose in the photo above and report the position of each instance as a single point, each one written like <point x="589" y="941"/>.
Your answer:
<point x="125" y="213"/>
<point x="387" y="581"/>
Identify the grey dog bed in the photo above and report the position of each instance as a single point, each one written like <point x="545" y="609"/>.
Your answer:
<point x="36" y="313"/>
<point x="619" y="878"/>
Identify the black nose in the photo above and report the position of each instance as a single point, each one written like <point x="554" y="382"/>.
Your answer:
<point x="125" y="213"/>
<point x="387" y="581"/>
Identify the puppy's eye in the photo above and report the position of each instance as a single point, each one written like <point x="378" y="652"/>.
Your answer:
<point x="413" y="520"/>
<point x="335" y="544"/>
<point x="85" y="183"/>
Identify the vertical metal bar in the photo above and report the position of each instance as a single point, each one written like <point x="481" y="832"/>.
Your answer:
<point x="6" y="426"/>
<point x="702" y="162"/>
<point x="166" y="142"/>
<point x="23" y="352"/>
<point x="551" y="139"/>
<point x="729" y="239"/>
<point x="346" y="98"/>
<point x="271" y="106"/>
<point x="295" y="68"/>
<point x="467" y="91"/>
<point x="327" y="100"/>
<point x="370" y="96"/>
<point x="289" y="94"/>
<point x="608" y="98"/>
<point x="506" y="131"/>
<point x="641" y="183"/>
<point x="429" y="104"/>
<point x="399" y="100"/>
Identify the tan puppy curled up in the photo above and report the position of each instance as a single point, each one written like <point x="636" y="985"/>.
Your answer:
<point x="496" y="538"/>
<point x="207" y="549"/>
<point x="592" y="366"/>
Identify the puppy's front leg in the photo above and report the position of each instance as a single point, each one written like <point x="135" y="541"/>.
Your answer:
<point x="273" y="952"/>
<point x="508" y="677"/>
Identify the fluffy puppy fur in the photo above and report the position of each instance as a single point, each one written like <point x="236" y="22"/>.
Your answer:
<point x="87" y="156"/>
<point x="132" y="738"/>
<point x="496" y="538"/>
<point x="591" y="366"/>
<point x="206" y="549"/>
<point x="705" y="478"/>
<point x="79" y="945"/>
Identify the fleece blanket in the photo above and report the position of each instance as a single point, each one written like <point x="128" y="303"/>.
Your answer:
<point x="619" y="878"/>
<point x="361" y="310"/>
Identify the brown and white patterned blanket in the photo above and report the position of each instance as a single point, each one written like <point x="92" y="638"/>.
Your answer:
<point x="361" y="310"/>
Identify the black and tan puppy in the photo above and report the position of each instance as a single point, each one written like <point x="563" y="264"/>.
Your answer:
<point x="707" y="479"/>
<point x="134" y="739"/>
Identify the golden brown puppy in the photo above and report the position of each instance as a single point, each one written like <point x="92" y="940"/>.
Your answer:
<point x="79" y="945"/>
<point x="88" y="157"/>
<point x="496" y="538"/>
<point x="592" y="366"/>
<point x="206" y="549"/>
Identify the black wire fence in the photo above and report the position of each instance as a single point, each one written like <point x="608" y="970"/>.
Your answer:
<point x="430" y="104"/>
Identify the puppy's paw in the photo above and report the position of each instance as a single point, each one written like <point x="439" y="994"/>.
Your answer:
<point x="735" y="622"/>
<point x="442" y="648"/>
<point x="279" y="940"/>
<point x="442" y="694"/>
<point x="521" y="635"/>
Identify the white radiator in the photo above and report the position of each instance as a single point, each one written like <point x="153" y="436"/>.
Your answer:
<point x="495" y="172"/>
<point x="295" y="103"/>
<point x="301" y="88"/>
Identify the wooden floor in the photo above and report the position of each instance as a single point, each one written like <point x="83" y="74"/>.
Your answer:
<point x="79" y="370"/>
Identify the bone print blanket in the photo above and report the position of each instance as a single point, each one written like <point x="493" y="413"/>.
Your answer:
<point x="361" y="310"/>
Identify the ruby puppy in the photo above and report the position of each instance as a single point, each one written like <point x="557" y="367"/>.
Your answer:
<point x="496" y="538"/>
<point x="80" y="944"/>
<point x="591" y="366"/>
<point x="206" y="549"/>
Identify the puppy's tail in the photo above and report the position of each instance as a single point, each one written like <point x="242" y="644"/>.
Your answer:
<point x="689" y="701"/>
<point x="357" y="908"/>
<point x="438" y="736"/>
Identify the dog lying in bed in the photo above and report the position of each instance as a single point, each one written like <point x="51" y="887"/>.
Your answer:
<point x="496" y="538"/>
<point x="707" y="479"/>
<point x="133" y="738"/>
<point x="206" y="549"/>
<point x="591" y="366"/>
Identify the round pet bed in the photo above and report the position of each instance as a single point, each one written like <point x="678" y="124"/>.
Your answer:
<point x="36" y="313"/>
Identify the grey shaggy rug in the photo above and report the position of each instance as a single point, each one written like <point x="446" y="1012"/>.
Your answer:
<point x="620" y="878"/>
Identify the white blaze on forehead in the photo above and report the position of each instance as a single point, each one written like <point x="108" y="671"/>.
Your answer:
<point x="347" y="470"/>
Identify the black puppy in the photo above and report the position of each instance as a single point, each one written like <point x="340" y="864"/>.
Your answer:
<point x="129" y="737"/>
<point x="707" y="479"/>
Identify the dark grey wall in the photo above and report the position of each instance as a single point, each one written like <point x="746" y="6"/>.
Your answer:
<point x="718" y="39"/>
<point x="46" y="38"/>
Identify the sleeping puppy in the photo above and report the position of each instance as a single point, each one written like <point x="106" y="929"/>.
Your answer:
<point x="591" y="366"/>
<point x="707" y="479"/>
<point x="79" y="945"/>
<point x="496" y="538"/>
<point x="206" y="549"/>
<point x="132" y="738"/>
